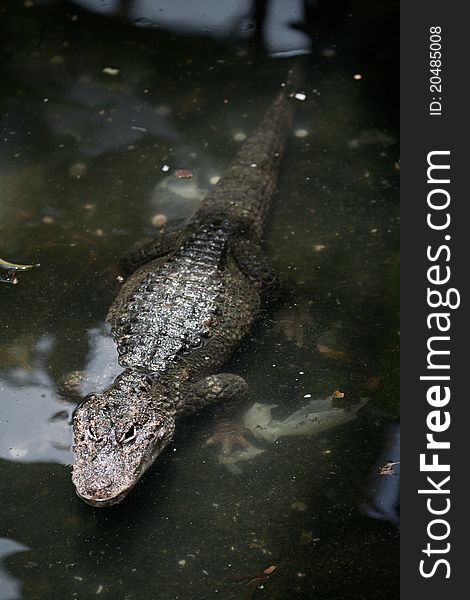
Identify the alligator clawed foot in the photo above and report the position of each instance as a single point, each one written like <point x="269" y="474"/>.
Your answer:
<point x="229" y="435"/>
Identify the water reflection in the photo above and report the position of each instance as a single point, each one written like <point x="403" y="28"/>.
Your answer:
<point x="10" y="586"/>
<point x="35" y="422"/>
<point x="384" y="486"/>
<point x="273" y="24"/>
<point x="99" y="119"/>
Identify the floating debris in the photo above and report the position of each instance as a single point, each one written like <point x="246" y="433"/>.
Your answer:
<point x="159" y="220"/>
<point x="301" y="133"/>
<point x="357" y="76"/>
<point x="5" y="264"/>
<point x="214" y="180"/>
<point x="184" y="174"/>
<point x="239" y="137"/>
<point x="10" y="276"/>
<point x="165" y="168"/>
<point x="330" y="352"/>
<point x="315" y="417"/>
<point x="300" y="96"/>
<point x="337" y="395"/>
<point x="112" y="71"/>
<point x="257" y="579"/>
<point x="270" y="569"/>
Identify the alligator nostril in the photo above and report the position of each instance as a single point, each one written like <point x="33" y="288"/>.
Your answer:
<point x="100" y="484"/>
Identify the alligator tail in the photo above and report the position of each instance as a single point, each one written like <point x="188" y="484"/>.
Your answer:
<point x="243" y="194"/>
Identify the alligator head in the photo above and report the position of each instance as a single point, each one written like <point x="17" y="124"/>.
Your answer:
<point x="117" y="435"/>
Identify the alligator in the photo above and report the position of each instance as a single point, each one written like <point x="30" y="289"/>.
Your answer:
<point x="192" y="297"/>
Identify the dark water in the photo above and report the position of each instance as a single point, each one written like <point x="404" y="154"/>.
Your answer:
<point x="94" y="107"/>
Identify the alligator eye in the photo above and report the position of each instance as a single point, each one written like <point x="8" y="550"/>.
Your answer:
<point x="129" y="436"/>
<point x="91" y="433"/>
<point x="196" y="342"/>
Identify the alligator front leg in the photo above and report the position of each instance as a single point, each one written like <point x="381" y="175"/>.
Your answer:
<point x="223" y="387"/>
<point x="229" y="434"/>
<point x="229" y="390"/>
<point x="254" y="264"/>
<point x="75" y="385"/>
<point x="144" y="251"/>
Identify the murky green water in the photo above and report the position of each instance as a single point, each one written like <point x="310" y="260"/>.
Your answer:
<point x="93" y="110"/>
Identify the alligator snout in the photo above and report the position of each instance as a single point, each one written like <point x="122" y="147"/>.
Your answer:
<point x="101" y="491"/>
<point x="101" y="484"/>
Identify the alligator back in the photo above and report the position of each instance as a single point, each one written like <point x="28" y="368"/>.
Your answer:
<point x="191" y="307"/>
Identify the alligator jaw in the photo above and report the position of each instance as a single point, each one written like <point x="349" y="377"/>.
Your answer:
<point x="108" y="487"/>
<point x="102" y="502"/>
